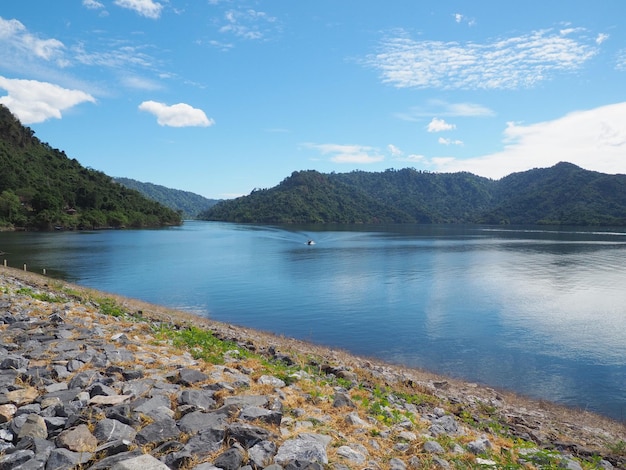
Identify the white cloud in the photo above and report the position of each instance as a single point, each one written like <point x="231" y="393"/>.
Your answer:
<point x="439" y="125"/>
<point x="510" y="63"/>
<point x="32" y="101"/>
<point x="92" y="4"/>
<point x="348" y="153"/>
<point x="395" y="151"/>
<point x="601" y="38"/>
<point x="620" y="63"/>
<point x="458" y="17"/>
<point x="177" y="115"/>
<point x="593" y="139"/>
<point x="442" y="108"/>
<point x="248" y="24"/>
<point x="15" y="37"/>
<point x="147" y="8"/>
<point x="443" y="141"/>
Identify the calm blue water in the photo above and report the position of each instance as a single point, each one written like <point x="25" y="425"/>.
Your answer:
<point x="538" y="311"/>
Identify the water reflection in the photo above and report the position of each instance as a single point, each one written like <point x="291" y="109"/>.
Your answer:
<point x="539" y="311"/>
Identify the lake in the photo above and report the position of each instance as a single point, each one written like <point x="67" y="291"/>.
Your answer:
<point x="535" y="310"/>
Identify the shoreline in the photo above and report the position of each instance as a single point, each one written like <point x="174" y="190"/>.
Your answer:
<point x="547" y="424"/>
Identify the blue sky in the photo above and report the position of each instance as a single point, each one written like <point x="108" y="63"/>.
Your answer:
<point x="220" y="97"/>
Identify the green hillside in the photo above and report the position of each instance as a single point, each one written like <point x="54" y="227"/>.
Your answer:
<point x="41" y="189"/>
<point x="188" y="203"/>
<point x="561" y="195"/>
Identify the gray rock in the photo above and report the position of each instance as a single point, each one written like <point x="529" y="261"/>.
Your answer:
<point x="479" y="446"/>
<point x="433" y="447"/>
<point x="158" y="432"/>
<point x="10" y="461"/>
<point x="231" y="459"/>
<point x="62" y="459"/>
<point x="248" y="435"/>
<point x="262" y="454"/>
<point x="153" y="404"/>
<point x="254" y="413"/>
<point x="83" y="379"/>
<point x="242" y="401"/>
<point x="397" y="464"/>
<point x="198" y="421"/>
<point x="445" y="425"/>
<point x="206" y="442"/>
<point x="342" y="400"/>
<point x="200" y="399"/>
<point x="34" y="426"/>
<point x="570" y="464"/>
<point x="108" y="430"/>
<point x="141" y="462"/>
<point x="271" y="380"/>
<point x="305" y="448"/>
<point x="191" y="376"/>
<point x="351" y="455"/>
<point x="14" y="362"/>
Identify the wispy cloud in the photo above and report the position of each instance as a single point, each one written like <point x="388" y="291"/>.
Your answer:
<point x="340" y="153"/>
<point x="444" y="141"/>
<point x="594" y="138"/>
<point x="510" y="63"/>
<point x="15" y="40"/>
<point x="92" y="4"/>
<point x="439" y="125"/>
<point x="443" y="108"/>
<point x="248" y="24"/>
<point x="33" y="101"/>
<point x="146" y="8"/>
<point x="177" y="115"/>
<point x="620" y="62"/>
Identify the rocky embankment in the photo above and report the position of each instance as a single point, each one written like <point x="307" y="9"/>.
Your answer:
<point x="94" y="382"/>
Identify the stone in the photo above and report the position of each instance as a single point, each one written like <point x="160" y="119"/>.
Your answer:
<point x="254" y="413"/>
<point x="479" y="446"/>
<point x="141" y="462"/>
<point x="262" y="453"/>
<point x="433" y="447"/>
<point x="108" y="430"/>
<point x="158" y="432"/>
<point x="62" y="459"/>
<point x="200" y="399"/>
<point x="12" y="460"/>
<point x="351" y="455"/>
<point x="231" y="459"/>
<point x="34" y="426"/>
<point x="7" y="411"/>
<point x="354" y="419"/>
<point x="14" y="362"/>
<point x="306" y="447"/>
<point x="247" y="435"/>
<point x="22" y="396"/>
<point x="396" y="464"/>
<point x="206" y="442"/>
<point x="342" y="400"/>
<point x="271" y="380"/>
<point x="191" y="376"/>
<point x="78" y="439"/>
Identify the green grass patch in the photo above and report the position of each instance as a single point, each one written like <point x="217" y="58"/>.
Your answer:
<point x="43" y="296"/>
<point x="202" y="344"/>
<point x="110" y="307"/>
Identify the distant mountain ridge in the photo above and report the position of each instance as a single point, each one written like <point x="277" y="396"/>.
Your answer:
<point x="188" y="203"/>
<point x="564" y="194"/>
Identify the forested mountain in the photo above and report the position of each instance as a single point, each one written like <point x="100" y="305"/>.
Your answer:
<point x="41" y="188"/>
<point x="188" y="203"/>
<point x="563" y="195"/>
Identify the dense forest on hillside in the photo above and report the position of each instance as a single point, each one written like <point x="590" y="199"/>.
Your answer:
<point x="188" y="203"/>
<point x="561" y="195"/>
<point x="41" y="188"/>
